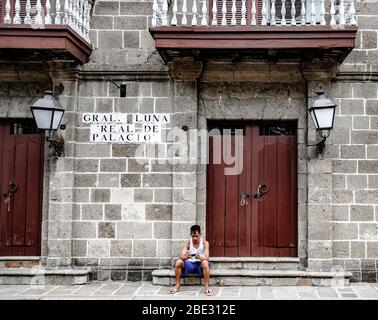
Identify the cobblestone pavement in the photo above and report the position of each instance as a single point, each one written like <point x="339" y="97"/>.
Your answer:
<point x="145" y="290"/>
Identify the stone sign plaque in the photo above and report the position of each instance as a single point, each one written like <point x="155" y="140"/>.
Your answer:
<point x="125" y="127"/>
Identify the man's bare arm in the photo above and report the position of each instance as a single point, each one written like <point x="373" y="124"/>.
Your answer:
<point x="207" y="253"/>
<point x="184" y="252"/>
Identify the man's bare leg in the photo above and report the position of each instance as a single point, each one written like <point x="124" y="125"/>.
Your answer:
<point x="178" y="268"/>
<point x="206" y="273"/>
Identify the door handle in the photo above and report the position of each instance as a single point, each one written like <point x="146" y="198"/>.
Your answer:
<point x="243" y="198"/>
<point x="262" y="189"/>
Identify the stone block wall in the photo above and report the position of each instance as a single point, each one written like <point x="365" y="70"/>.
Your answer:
<point x="354" y="178"/>
<point x="123" y="192"/>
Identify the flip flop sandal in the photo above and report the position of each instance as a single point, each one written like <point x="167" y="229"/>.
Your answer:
<point x="209" y="292"/>
<point x="173" y="290"/>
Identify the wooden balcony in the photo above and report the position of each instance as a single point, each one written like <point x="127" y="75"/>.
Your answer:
<point x="45" y="30"/>
<point x="289" y="29"/>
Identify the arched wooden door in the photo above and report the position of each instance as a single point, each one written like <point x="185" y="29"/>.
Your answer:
<point x="21" y="163"/>
<point x="254" y="213"/>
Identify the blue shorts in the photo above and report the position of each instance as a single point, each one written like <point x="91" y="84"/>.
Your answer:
<point x="191" y="267"/>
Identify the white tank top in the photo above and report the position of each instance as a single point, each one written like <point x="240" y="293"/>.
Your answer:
<point x="192" y="250"/>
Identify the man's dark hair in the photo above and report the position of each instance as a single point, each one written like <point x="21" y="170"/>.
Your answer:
<point x="195" y="228"/>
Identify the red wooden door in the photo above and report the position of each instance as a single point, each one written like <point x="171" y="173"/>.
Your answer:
<point x="21" y="163"/>
<point x="254" y="213"/>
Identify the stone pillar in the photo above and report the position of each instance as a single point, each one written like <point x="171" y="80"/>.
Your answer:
<point x="184" y="193"/>
<point x="319" y="177"/>
<point x="59" y="208"/>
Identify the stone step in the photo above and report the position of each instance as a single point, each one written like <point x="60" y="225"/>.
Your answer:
<point x="42" y="276"/>
<point x="239" y="277"/>
<point x="20" y="261"/>
<point x="252" y="263"/>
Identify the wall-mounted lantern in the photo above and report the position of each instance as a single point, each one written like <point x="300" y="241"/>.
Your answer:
<point x="323" y="114"/>
<point x="48" y="113"/>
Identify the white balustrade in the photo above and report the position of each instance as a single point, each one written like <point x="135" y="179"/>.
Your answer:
<point x="341" y="13"/>
<point x="273" y="12"/>
<point x="224" y="13"/>
<point x="303" y="12"/>
<point x="204" y="13"/>
<point x="194" y="13"/>
<point x="17" y="18"/>
<point x="184" y="20"/>
<point x="72" y="13"/>
<point x="322" y="13"/>
<point x="7" y="18"/>
<point x="253" y="12"/>
<point x="293" y="13"/>
<point x="48" y="16"/>
<point x="332" y="12"/>
<point x="264" y="13"/>
<point x="243" y="20"/>
<point x="283" y="13"/>
<point x="233" y="12"/>
<point x="76" y="13"/>
<point x="214" y="21"/>
<point x="27" y="19"/>
<point x="154" y="12"/>
<point x="352" y="13"/>
<point x="58" y="19"/>
<point x="313" y="13"/>
<point x="165" y="13"/>
<point x="38" y="18"/>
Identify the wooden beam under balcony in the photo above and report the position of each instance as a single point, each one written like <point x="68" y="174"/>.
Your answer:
<point x="337" y="39"/>
<point x="61" y="40"/>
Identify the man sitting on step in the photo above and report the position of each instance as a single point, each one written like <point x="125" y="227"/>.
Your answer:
<point x="194" y="258"/>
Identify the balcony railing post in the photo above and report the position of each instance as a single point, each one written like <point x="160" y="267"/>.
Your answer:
<point x="58" y="19"/>
<point x="174" y="13"/>
<point x="214" y="21"/>
<point x="303" y="12"/>
<point x="243" y="20"/>
<point x="322" y="13"/>
<point x="17" y="18"/>
<point x="253" y="12"/>
<point x="84" y="18"/>
<point x="81" y="14"/>
<point x="264" y="11"/>
<point x="184" y="20"/>
<point x="39" y="17"/>
<point x="283" y="12"/>
<point x="48" y="16"/>
<point x="27" y="19"/>
<point x="204" y="13"/>
<point x="293" y="13"/>
<point x="233" y="13"/>
<point x="70" y="13"/>
<point x="194" y="13"/>
<point x="75" y="14"/>
<point x="66" y="15"/>
<point x="273" y="13"/>
<point x="7" y="18"/>
<point x="341" y="13"/>
<point x="224" y="12"/>
<point x="165" y="13"/>
<point x="154" y="13"/>
<point x="332" y="12"/>
<point x="352" y="14"/>
<point x="88" y="19"/>
<point x="313" y="13"/>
